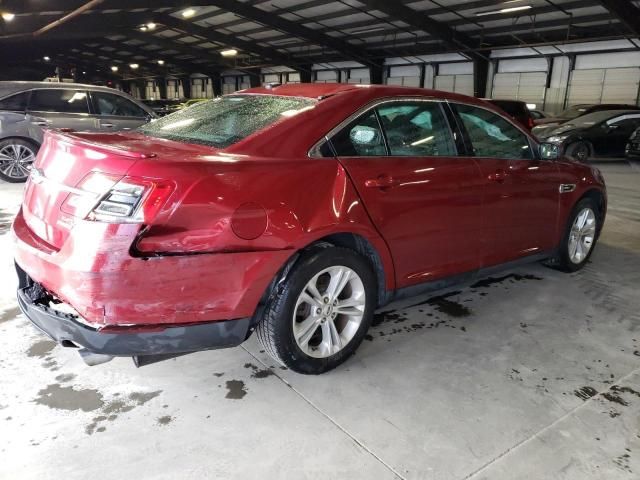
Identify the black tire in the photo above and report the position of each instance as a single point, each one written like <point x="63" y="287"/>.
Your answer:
<point x="13" y="175"/>
<point x="275" y="329"/>
<point x="580" y="151"/>
<point x="563" y="260"/>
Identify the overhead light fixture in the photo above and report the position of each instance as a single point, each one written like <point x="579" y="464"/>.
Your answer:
<point x="151" y="26"/>
<point x="46" y="58"/>
<point x="160" y="62"/>
<point x="8" y="16"/>
<point x="133" y="66"/>
<point x="114" y="68"/>
<point x="143" y="28"/>
<point x="189" y="12"/>
<point x="504" y="10"/>
<point x="367" y="30"/>
<point x="232" y="52"/>
<point x="84" y="73"/>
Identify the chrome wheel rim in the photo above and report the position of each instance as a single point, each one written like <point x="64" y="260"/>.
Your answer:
<point x="329" y="311"/>
<point x="16" y="160"/>
<point x="582" y="235"/>
<point x="581" y="152"/>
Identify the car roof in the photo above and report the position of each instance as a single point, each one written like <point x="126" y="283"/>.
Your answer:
<point x="8" y="87"/>
<point x="323" y="90"/>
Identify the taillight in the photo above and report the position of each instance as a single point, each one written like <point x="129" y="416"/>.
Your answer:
<point x="530" y="123"/>
<point x="104" y="198"/>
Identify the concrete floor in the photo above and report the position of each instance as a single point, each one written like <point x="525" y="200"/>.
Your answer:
<point x="531" y="375"/>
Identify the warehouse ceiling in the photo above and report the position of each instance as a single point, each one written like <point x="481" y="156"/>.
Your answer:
<point x="182" y="37"/>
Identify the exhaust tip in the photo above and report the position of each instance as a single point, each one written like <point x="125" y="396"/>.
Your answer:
<point x="92" y="359"/>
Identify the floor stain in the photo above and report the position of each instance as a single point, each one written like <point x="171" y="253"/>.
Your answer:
<point x="66" y="398"/>
<point x="612" y="397"/>
<point x="9" y="314"/>
<point x="264" y="373"/>
<point x="489" y="281"/>
<point x="41" y="348"/>
<point x="236" y="389"/>
<point x="114" y="408"/>
<point x="65" y="377"/>
<point x="165" y="420"/>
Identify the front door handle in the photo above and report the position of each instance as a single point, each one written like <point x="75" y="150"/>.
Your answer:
<point x="382" y="181"/>
<point x="107" y="125"/>
<point x="498" y="176"/>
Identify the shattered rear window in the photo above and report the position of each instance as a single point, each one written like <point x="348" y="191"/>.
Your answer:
<point x="226" y="120"/>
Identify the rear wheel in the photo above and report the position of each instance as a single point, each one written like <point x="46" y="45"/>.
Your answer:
<point x="580" y="151"/>
<point x="16" y="158"/>
<point x="581" y="235"/>
<point x="319" y="316"/>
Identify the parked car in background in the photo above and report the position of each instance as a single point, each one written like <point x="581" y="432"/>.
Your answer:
<point x="516" y="109"/>
<point x="28" y="108"/>
<point x="543" y="125"/>
<point x="602" y="134"/>
<point x="200" y="228"/>
<point x="192" y="101"/>
<point x="163" y="107"/>
<point x="538" y="115"/>
<point x="632" y="149"/>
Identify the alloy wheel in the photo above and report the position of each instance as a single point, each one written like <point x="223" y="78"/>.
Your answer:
<point x="329" y="311"/>
<point x="582" y="235"/>
<point x="16" y="160"/>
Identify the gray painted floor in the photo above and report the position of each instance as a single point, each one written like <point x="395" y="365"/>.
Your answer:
<point x="531" y="374"/>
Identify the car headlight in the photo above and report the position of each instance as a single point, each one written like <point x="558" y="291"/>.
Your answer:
<point x="557" y="139"/>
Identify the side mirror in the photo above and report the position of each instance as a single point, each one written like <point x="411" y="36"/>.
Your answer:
<point x="364" y="136"/>
<point x="549" y="151"/>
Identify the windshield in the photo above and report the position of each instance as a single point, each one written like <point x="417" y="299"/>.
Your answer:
<point x="574" y="111"/>
<point x="226" y="120"/>
<point x="591" y="119"/>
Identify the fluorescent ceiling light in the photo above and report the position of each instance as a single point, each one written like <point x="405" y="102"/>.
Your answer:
<point x="114" y="69"/>
<point x="189" y="12"/>
<point x="367" y="30"/>
<point x="151" y="26"/>
<point x="160" y="62"/>
<point x="134" y="65"/>
<point x="232" y="52"/>
<point x="46" y="59"/>
<point x="504" y="10"/>
<point x="7" y="16"/>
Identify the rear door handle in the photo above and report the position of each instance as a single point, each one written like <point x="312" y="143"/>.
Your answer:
<point x="107" y="125"/>
<point x="383" y="181"/>
<point x="498" y="176"/>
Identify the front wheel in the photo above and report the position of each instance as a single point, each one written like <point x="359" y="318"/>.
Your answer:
<point x="580" y="151"/>
<point x="16" y="158"/>
<point x="580" y="236"/>
<point x="321" y="313"/>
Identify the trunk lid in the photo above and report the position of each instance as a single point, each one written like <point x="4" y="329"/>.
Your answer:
<point x="63" y="161"/>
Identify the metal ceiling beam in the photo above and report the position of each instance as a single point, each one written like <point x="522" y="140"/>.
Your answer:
<point x="227" y="40"/>
<point x="292" y="28"/>
<point x="626" y="12"/>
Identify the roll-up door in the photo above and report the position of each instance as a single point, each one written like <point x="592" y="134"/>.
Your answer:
<point x="524" y="86"/>
<point x="455" y="83"/>
<point x="604" y="85"/>
<point x="408" y="75"/>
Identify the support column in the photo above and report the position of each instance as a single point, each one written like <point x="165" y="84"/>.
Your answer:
<point x="480" y="71"/>
<point x="376" y="74"/>
<point x="161" y="86"/>
<point x="186" y="86"/>
<point x="306" y="74"/>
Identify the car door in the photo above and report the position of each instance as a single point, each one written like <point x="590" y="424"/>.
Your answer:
<point x="115" y="112"/>
<point x="521" y="192"/>
<point x="58" y="108"/>
<point x="423" y="197"/>
<point x="610" y="137"/>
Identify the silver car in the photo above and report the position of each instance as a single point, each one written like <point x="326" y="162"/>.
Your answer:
<point x="27" y="108"/>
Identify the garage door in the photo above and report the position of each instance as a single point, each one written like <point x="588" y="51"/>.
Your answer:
<point x="525" y="86"/>
<point x="604" y="85"/>
<point x="455" y="83"/>
<point x="407" y="75"/>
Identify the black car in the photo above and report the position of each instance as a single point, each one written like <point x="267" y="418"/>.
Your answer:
<point x="599" y="134"/>
<point x="163" y="107"/>
<point x="516" y="109"/>
<point x="548" y="123"/>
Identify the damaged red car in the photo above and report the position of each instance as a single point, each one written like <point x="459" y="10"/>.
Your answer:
<point x="292" y="212"/>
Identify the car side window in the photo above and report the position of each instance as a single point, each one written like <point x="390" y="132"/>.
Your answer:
<point x="59" y="100"/>
<point x="493" y="136"/>
<point x="416" y="129"/>
<point x="15" y="103"/>
<point x="625" y="122"/>
<point x="361" y="138"/>
<point x="110" y="104"/>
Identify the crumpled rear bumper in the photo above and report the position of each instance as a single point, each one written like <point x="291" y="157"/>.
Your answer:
<point x="67" y="330"/>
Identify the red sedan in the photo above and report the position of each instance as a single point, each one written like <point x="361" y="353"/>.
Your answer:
<point x="293" y="211"/>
